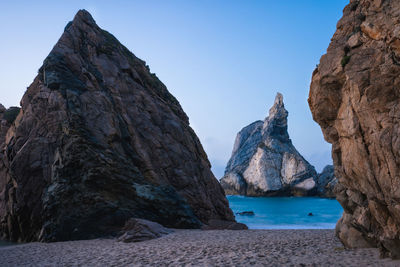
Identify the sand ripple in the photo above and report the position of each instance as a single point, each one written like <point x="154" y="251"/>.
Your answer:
<point x="200" y="248"/>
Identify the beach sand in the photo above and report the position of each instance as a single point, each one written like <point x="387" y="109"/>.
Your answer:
<point x="200" y="248"/>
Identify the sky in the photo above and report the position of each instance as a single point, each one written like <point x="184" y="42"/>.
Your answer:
<point x="223" y="60"/>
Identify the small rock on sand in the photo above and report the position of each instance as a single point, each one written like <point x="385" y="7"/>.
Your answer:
<point x="137" y="230"/>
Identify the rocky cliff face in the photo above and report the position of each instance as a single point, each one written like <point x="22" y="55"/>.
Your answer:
<point x="264" y="161"/>
<point x="327" y="182"/>
<point x="354" y="96"/>
<point x="4" y="126"/>
<point x="99" y="140"/>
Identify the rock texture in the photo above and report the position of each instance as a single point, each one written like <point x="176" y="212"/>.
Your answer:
<point x="327" y="182"/>
<point x="264" y="161"/>
<point x="137" y="230"/>
<point x="99" y="140"/>
<point x="4" y="124"/>
<point x="354" y="96"/>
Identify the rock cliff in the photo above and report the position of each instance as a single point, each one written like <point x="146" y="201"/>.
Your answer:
<point x="354" y="96"/>
<point x="99" y="139"/>
<point x="327" y="182"/>
<point x="264" y="161"/>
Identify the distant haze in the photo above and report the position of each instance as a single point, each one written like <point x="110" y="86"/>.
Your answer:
<point x="223" y="60"/>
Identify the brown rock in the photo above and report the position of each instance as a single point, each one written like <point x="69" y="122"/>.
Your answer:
<point x="100" y="140"/>
<point x="354" y="40"/>
<point x="370" y="30"/>
<point x="137" y="230"/>
<point x="354" y="96"/>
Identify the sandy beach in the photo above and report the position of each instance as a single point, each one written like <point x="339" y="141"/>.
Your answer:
<point x="200" y="248"/>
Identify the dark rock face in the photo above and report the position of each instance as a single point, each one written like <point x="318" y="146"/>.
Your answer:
<point x="326" y="182"/>
<point x="354" y="96"/>
<point x="4" y="126"/>
<point x="10" y="114"/>
<point x="99" y="140"/>
<point x="264" y="161"/>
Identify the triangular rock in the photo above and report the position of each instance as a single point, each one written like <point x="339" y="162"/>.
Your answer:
<point x="100" y="140"/>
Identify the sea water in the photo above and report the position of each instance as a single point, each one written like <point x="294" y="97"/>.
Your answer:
<point x="4" y="243"/>
<point x="286" y="212"/>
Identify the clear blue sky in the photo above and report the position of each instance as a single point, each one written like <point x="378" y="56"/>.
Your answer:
<point x="223" y="60"/>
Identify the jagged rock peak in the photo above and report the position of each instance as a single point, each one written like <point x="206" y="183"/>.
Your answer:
<point x="354" y="97"/>
<point x="100" y="140"/>
<point x="278" y="111"/>
<point x="275" y="125"/>
<point x="264" y="161"/>
<point x="84" y="16"/>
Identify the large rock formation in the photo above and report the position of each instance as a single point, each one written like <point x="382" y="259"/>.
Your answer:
<point x="264" y="161"/>
<point x="99" y="140"/>
<point x="355" y="97"/>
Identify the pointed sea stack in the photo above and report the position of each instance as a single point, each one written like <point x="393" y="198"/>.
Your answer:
<point x="98" y="140"/>
<point x="355" y="98"/>
<point x="264" y="161"/>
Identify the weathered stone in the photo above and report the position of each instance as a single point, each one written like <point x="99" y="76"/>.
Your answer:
<point x="264" y="161"/>
<point x="137" y="230"/>
<point x="357" y="106"/>
<point x="10" y="114"/>
<point x="354" y="40"/>
<point x="327" y="182"/>
<point x="370" y="30"/>
<point x="99" y="140"/>
<point x="4" y="126"/>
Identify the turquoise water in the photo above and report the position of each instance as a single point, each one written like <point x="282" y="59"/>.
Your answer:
<point x="287" y="212"/>
<point x="6" y="243"/>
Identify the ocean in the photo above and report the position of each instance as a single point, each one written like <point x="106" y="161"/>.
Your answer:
<point x="286" y="212"/>
<point x="281" y="213"/>
<point x="6" y="243"/>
